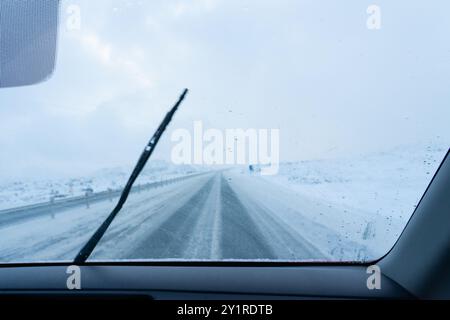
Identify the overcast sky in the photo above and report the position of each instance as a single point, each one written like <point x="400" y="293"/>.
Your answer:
<point x="309" y="68"/>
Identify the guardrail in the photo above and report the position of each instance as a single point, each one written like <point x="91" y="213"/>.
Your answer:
<point x="10" y="216"/>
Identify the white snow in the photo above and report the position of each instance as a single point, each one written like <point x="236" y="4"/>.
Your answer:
<point x="22" y="193"/>
<point x="367" y="199"/>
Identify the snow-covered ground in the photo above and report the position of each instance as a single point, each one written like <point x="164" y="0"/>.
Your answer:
<point x="27" y="192"/>
<point x="388" y="183"/>
<point x="366" y="199"/>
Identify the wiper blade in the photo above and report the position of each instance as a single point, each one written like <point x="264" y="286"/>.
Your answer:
<point x="86" y="251"/>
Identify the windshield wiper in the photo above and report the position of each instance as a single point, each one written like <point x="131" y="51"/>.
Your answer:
<point x="86" y="251"/>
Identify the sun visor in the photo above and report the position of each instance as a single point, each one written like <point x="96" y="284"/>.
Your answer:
<point x="28" y="37"/>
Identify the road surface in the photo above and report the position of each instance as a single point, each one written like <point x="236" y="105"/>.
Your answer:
<point x="208" y="217"/>
<point x="213" y="223"/>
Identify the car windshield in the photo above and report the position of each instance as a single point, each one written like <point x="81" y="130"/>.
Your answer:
<point x="310" y="133"/>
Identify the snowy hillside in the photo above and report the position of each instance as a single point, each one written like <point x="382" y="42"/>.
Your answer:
<point x="368" y="199"/>
<point x="386" y="183"/>
<point x="22" y="193"/>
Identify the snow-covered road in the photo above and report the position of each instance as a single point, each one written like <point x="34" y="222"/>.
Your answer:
<point x="211" y="222"/>
<point x="221" y="215"/>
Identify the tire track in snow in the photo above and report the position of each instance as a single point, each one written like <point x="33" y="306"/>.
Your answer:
<point x="241" y="236"/>
<point x="205" y="240"/>
<point x="137" y="222"/>
<point x="287" y="242"/>
<point x="172" y="237"/>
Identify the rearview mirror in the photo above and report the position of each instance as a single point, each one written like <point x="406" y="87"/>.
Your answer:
<point x="28" y="36"/>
